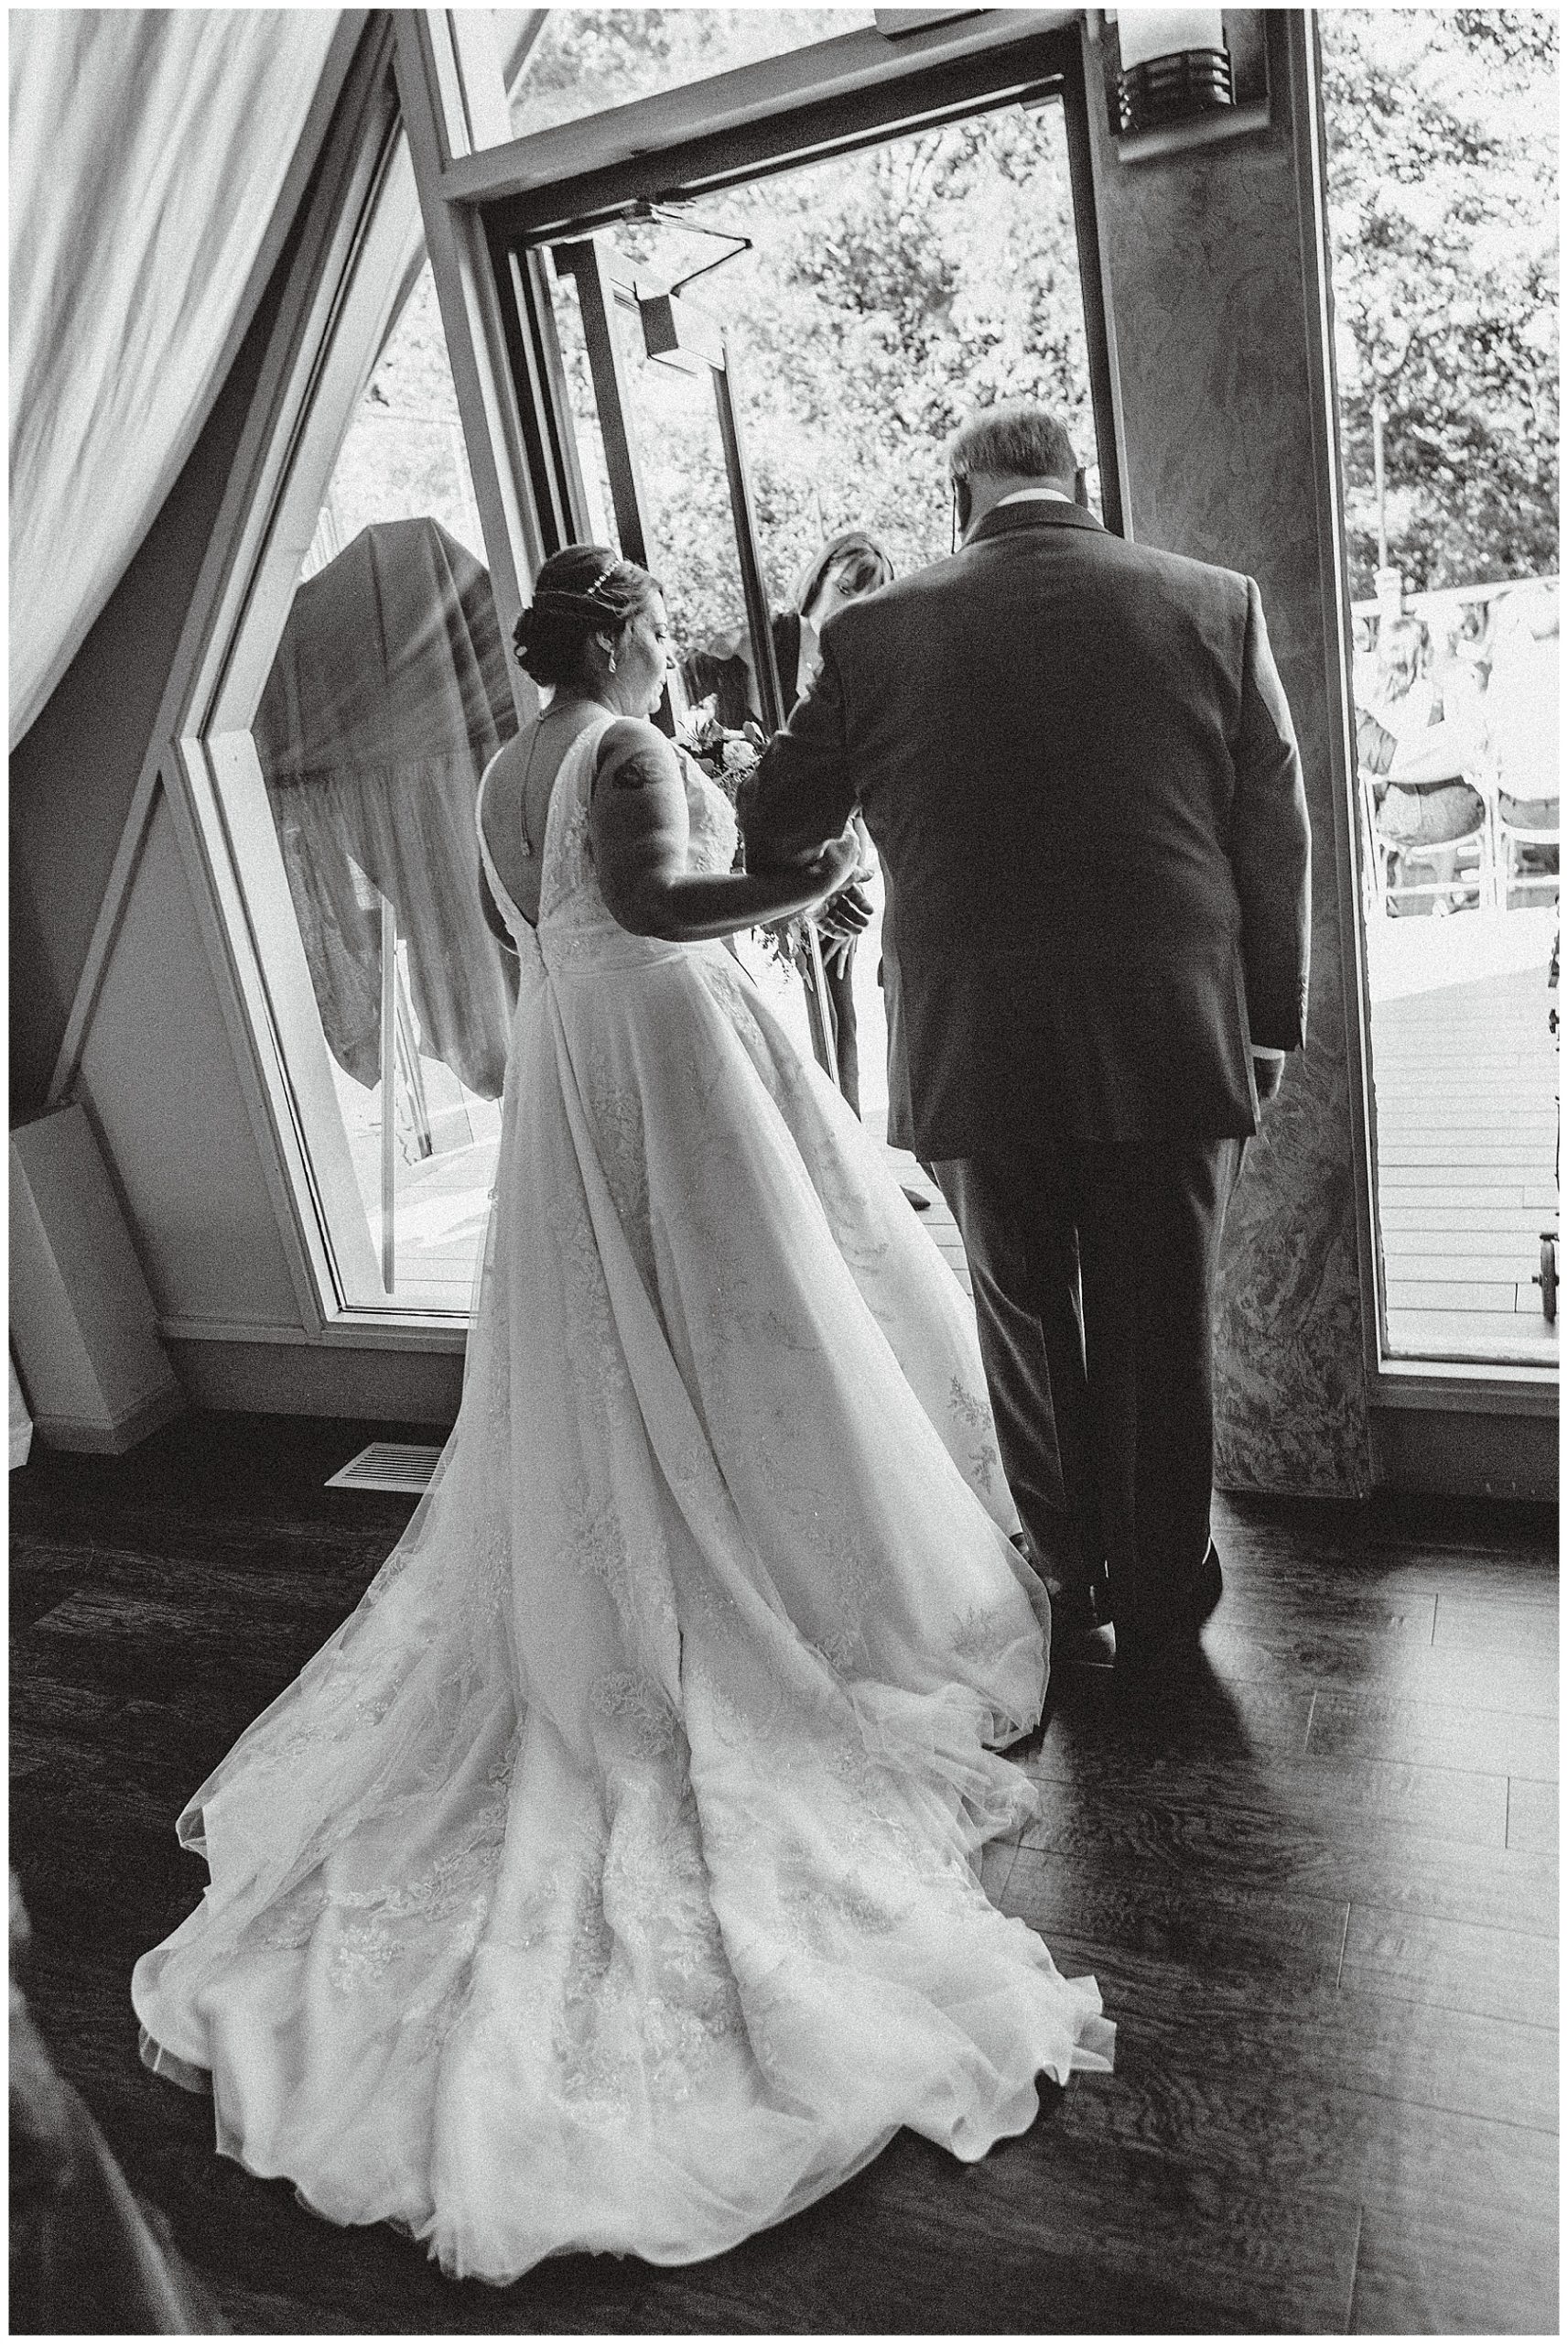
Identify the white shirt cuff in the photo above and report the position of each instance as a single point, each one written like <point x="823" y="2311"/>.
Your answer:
<point x="1262" y="1050"/>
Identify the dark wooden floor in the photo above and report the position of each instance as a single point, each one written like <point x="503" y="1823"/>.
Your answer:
<point x="1319" y="1892"/>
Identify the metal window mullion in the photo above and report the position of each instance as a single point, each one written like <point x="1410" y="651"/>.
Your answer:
<point x="548" y="448"/>
<point x="834" y="93"/>
<point x="612" y="392"/>
<point x="1105" y="402"/>
<point x="753" y="586"/>
<point x="388" y="1096"/>
<point x="764" y="662"/>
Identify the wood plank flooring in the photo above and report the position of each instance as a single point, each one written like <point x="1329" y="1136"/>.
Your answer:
<point x="1318" y="1888"/>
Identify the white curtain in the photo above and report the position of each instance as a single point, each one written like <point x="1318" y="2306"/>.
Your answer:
<point x="149" y="148"/>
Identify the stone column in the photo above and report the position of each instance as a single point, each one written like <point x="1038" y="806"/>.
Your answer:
<point x="1213" y="323"/>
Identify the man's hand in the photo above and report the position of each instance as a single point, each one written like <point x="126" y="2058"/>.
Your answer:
<point x="1268" y="1074"/>
<point x="846" y="914"/>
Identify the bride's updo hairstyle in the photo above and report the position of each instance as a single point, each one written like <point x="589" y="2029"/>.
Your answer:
<point x="580" y="592"/>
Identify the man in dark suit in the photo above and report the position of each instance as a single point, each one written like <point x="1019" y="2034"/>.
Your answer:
<point x="1074" y="758"/>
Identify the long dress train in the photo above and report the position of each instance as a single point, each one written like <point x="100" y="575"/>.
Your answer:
<point x="605" y="1880"/>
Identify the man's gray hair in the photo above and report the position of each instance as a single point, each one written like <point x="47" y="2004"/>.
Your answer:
<point x="1013" y="440"/>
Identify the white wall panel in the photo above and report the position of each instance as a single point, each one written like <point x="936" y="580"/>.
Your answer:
<point x="81" y="1318"/>
<point x="159" y="1074"/>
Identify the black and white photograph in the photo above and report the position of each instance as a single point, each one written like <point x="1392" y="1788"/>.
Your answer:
<point x="784" y="1153"/>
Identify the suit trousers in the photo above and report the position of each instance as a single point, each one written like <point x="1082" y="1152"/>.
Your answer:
<point x="1093" y="1263"/>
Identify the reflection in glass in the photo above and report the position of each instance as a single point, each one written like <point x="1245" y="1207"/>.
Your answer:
<point x="388" y="695"/>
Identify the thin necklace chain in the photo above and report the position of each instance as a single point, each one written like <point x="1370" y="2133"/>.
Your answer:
<point x="539" y="723"/>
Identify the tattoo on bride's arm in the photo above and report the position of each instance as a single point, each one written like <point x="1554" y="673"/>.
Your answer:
<point x="638" y="771"/>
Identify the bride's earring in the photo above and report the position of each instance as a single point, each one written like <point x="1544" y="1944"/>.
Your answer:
<point x="612" y="663"/>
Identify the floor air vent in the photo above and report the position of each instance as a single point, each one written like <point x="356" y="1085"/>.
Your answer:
<point x="388" y="1465"/>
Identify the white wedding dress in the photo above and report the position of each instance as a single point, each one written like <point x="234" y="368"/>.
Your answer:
<point x="606" y="1880"/>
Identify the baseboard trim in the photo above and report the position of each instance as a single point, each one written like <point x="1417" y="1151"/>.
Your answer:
<point x="314" y="1379"/>
<point x="1468" y="1454"/>
<point x="227" y="1330"/>
<point x="349" y="1330"/>
<point x="114" y="1437"/>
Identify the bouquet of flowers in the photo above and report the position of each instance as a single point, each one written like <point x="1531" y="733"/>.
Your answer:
<point x="720" y="752"/>
<point x="727" y="755"/>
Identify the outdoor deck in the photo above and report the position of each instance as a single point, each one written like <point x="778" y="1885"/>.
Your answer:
<point x="1465" y="1074"/>
<point x="1466" y="1079"/>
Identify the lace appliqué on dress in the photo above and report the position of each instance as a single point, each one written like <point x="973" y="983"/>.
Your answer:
<point x="713" y="833"/>
<point x="597" y="1360"/>
<point x="971" y="1410"/>
<point x="615" y="1107"/>
<point x="639" y="1710"/>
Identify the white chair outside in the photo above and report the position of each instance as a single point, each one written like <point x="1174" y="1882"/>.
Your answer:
<point x="1522" y="733"/>
<point x="1389" y="860"/>
<point x="1507" y="837"/>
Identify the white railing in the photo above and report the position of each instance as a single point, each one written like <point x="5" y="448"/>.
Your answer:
<point x="1448" y="598"/>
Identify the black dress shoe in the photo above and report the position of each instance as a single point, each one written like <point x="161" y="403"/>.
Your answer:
<point x="1085" y="1646"/>
<point x="1080" y="1618"/>
<point x="1081" y="1633"/>
<point x="1172" y="1634"/>
<point x="1079" y="1607"/>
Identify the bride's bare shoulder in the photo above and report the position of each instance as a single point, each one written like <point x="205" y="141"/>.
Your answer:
<point x="630" y="746"/>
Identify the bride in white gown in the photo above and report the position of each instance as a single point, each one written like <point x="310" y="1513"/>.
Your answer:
<point x="606" y="1881"/>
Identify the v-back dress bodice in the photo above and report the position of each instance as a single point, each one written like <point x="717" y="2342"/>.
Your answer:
<point x="607" y="1879"/>
<point x="576" y="930"/>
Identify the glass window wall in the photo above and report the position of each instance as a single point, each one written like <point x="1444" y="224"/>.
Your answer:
<point x="388" y="694"/>
<point x="582" y="61"/>
<point x="1442" y="168"/>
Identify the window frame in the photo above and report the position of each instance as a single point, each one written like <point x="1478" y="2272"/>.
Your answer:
<point x="363" y="239"/>
<point x="779" y="115"/>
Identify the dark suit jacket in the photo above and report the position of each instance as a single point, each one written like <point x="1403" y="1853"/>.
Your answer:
<point x="1076" y="760"/>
